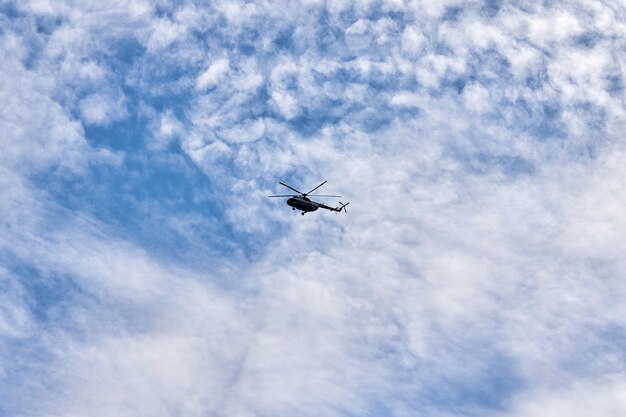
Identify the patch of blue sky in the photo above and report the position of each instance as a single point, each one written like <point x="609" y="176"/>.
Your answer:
<point x="310" y="121"/>
<point x="491" y="390"/>
<point x="25" y="374"/>
<point x="46" y="293"/>
<point x="167" y="9"/>
<point x="145" y="196"/>
<point x="490" y="66"/>
<point x="588" y="39"/>
<point x="47" y="24"/>
<point x="595" y="349"/>
<point x="510" y="165"/>
<point x="329" y="39"/>
<point x="490" y="8"/>
<point x="148" y="187"/>
<point x="58" y="301"/>
<point x="467" y="375"/>
<point x="8" y="9"/>
<point x="477" y="382"/>
<point x="542" y="121"/>
<point x="52" y="300"/>
<point x="452" y="14"/>
<point x="615" y="85"/>
<point x="610" y="342"/>
<point x="12" y="20"/>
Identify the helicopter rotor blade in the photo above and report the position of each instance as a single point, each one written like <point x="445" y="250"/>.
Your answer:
<point x="322" y="195"/>
<point x="286" y="195"/>
<point x="315" y="188"/>
<point x="291" y="188"/>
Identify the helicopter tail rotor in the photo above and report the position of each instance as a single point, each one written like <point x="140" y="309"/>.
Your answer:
<point x="343" y="207"/>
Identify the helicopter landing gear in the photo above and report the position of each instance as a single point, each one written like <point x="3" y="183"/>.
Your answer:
<point x="302" y="213"/>
<point x="293" y="208"/>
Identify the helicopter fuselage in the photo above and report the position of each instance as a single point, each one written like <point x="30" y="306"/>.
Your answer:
<point x="303" y="204"/>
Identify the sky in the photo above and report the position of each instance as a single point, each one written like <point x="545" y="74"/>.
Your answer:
<point x="480" y="269"/>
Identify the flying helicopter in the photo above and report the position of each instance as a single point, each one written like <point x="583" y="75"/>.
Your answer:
<point x="302" y="202"/>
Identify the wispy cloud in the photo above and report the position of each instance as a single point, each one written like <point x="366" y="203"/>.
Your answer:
<point x="478" y="272"/>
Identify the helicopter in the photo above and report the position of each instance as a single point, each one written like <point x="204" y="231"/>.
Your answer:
<point x="301" y="201"/>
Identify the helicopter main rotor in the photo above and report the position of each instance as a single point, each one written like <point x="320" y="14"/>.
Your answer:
<point x="300" y="193"/>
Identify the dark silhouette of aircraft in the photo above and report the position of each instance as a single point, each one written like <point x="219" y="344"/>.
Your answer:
<point x="302" y="202"/>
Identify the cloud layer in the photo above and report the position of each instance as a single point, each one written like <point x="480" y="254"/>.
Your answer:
<point x="478" y="271"/>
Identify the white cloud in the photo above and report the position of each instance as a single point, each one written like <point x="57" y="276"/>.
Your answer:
<point x="476" y="98"/>
<point x="166" y="129"/>
<point x="482" y="156"/>
<point x="165" y="33"/>
<point x="406" y="99"/>
<point x="605" y="397"/>
<point x="413" y="40"/>
<point x="556" y="27"/>
<point x="15" y="317"/>
<point x="239" y="13"/>
<point x="39" y="132"/>
<point x="246" y="131"/>
<point x="358" y="28"/>
<point x="102" y="109"/>
<point x="213" y="74"/>
<point x="284" y="83"/>
<point x="433" y="68"/>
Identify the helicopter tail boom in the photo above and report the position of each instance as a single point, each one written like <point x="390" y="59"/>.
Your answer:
<point x="342" y="207"/>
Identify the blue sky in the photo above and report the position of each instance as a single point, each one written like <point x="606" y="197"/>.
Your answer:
<point x="478" y="272"/>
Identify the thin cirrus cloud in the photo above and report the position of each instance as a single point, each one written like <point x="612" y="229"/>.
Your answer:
<point x="144" y="272"/>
